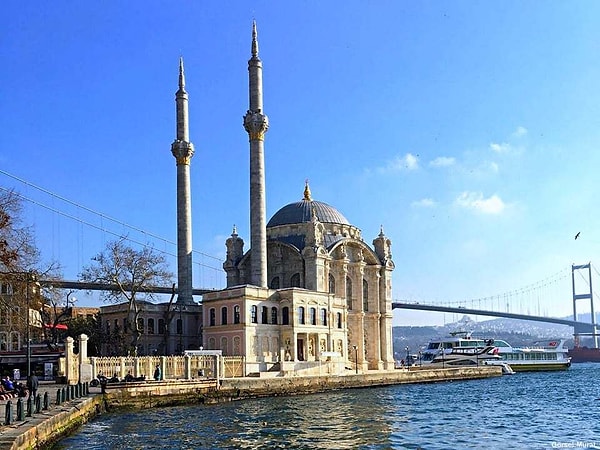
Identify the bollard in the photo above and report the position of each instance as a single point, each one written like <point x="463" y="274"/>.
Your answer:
<point x="20" y="410"/>
<point x="79" y="390"/>
<point x="46" y="401"/>
<point x="29" y="406"/>
<point x="38" y="403"/>
<point x="68" y="391"/>
<point x="58" y="397"/>
<point x="86" y="388"/>
<point x="65" y="394"/>
<point x="8" y="413"/>
<point x="76" y="391"/>
<point x="72" y="388"/>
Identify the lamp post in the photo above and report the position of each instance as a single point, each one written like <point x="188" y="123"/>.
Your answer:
<point x="355" y="358"/>
<point x="407" y="357"/>
<point x="28" y="330"/>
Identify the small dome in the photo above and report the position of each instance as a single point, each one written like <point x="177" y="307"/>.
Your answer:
<point x="301" y="212"/>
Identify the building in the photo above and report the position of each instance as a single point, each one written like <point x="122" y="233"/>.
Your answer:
<point x="309" y="289"/>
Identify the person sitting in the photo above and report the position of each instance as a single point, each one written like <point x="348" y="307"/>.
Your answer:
<point x="8" y="384"/>
<point x="128" y="377"/>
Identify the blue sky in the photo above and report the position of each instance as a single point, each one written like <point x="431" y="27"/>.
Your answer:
<point x="469" y="130"/>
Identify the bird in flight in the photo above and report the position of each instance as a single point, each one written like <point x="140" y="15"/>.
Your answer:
<point x="577" y="235"/>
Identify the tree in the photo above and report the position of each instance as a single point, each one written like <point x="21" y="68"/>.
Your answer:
<point x="17" y="245"/>
<point x="133" y="272"/>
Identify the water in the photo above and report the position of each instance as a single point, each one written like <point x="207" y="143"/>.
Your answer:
<point x="522" y="411"/>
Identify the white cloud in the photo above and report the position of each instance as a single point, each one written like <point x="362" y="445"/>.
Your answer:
<point x="442" y="161"/>
<point x="520" y="132"/>
<point x="476" y="202"/>
<point x="424" y="203"/>
<point x="406" y="162"/>
<point x="493" y="167"/>
<point x="500" y="148"/>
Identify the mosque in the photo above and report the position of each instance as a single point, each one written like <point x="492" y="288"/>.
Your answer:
<point x="308" y="290"/>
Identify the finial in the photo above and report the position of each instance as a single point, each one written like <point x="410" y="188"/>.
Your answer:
<point x="181" y="74"/>
<point x="254" y="40"/>
<point x="381" y="233"/>
<point x="234" y="232"/>
<point x="307" y="196"/>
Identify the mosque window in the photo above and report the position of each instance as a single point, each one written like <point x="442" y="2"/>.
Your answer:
<point x="313" y="316"/>
<point x="254" y="314"/>
<point x="212" y="317"/>
<point x="140" y="325"/>
<point x="295" y="281"/>
<point x="161" y="326"/>
<point x="236" y="314"/>
<point x="150" y="325"/>
<point x="224" y="315"/>
<point x="212" y="343"/>
<point x="285" y="315"/>
<point x="275" y="283"/>
<point x="349" y="293"/>
<point x="365" y="295"/>
<point x="323" y="317"/>
<point x="274" y="315"/>
<point x="301" y="319"/>
<point x="339" y="320"/>
<point x="331" y="284"/>
<point x="264" y="315"/>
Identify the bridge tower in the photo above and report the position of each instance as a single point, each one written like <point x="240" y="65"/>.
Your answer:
<point x="588" y="295"/>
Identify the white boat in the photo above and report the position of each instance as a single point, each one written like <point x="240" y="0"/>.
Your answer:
<point x="460" y="348"/>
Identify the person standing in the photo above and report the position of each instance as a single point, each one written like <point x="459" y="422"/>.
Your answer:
<point x="157" y="373"/>
<point x="33" y="384"/>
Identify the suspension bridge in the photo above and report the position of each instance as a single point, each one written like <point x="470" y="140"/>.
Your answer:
<point x="63" y="217"/>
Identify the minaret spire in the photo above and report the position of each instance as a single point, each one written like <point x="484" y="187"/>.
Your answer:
<point x="256" y="124"/>
<point x="254" y="40"/>
<point x="181" y="75"/>
<point x="183" y="150"/>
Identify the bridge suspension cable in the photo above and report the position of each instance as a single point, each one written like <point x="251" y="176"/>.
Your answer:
<point x="102" y="217"/>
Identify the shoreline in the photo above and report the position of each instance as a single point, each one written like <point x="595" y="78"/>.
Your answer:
<point x="46" y="428"/>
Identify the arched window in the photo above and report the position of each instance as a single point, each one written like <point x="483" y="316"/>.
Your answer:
<point x="323" y="317"/>
<point x="212" y="317"/>
<point x="331" y="284"/>
<point x="212" y="343"/>
<point x="253" y="314"/>
<point x="313" y="316"/>
<point x="274" y="315"/>
<point x="349" y="293"/>
<point x="224" y="315"/>
<point x="339" y="320"/>
<point x="295" y="281"/>
<point x="275" y="283"/>
<point x="264" y="316"/>
<point x="150" y="326"/>
<point x="285" y="315"/>
<point x="365" y="295"/>
<point x="140" y="325"/>
<point x="236" y="314"/>
<point x="301" y="319"/>
<point x="224" y="346"/>
<point x="15" y="338"/>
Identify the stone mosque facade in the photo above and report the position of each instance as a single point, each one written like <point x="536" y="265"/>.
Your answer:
<point x="309" y="290"/>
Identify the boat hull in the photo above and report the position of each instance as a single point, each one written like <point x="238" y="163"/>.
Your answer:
<point x="539" y="367"/>
<point x="584" y="354"/>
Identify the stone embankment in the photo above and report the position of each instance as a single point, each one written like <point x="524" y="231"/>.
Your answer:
<point x="41" y="430"/>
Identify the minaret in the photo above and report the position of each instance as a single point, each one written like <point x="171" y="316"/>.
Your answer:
<point x="256" y="124"/>
<point x="183" y="150"/>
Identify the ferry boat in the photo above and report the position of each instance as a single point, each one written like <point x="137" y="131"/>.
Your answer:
<point x="462" y="349"/>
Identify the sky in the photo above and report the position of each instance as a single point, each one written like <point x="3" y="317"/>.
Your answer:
<point x="468" y="130"/>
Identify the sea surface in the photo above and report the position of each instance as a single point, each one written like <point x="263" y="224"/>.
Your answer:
<point x="522" y="411"/>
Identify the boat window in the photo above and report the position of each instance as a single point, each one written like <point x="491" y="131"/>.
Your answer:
<point x="501" y="343"/>
<point x="433" y="346"/>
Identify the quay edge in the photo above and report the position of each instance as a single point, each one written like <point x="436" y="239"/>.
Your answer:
<point x="142" y="395"/>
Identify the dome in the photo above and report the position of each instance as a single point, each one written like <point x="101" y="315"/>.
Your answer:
<point x="301" y="212"/>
